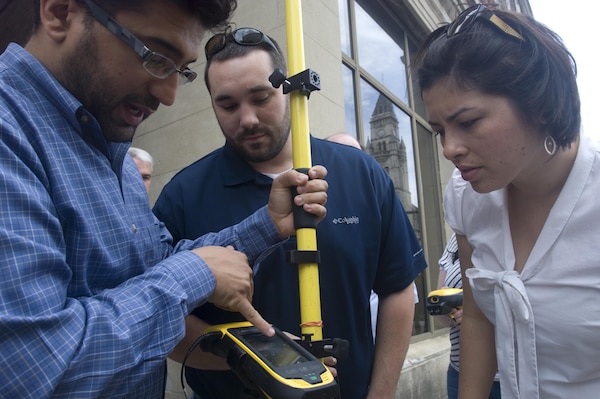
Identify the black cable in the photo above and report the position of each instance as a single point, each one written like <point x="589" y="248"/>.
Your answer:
<point x="190" y="350"/>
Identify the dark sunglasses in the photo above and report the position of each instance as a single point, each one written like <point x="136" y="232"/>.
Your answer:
<point x="467" y="18"/>
<point x="242" y="36"/>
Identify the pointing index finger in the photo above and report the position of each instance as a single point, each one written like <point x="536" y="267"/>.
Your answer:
<point x="252" y="315"/>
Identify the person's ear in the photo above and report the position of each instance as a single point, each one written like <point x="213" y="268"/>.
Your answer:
<point x="57" y="16"/>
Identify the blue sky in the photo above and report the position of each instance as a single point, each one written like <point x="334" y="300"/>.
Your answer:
<point x="577" y="24"/>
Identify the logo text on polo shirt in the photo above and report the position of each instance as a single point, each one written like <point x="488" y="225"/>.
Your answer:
<point x="346" y="220"/>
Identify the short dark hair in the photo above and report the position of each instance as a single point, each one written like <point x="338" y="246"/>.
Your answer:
<point x="211" y="13"/>
<point x="537" y="74"/>
<point x="16" y="20"/>
<point x="234" y="50"/>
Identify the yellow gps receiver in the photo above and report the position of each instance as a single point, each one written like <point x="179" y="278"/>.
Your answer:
<point x="442" y="301"/>
<point x="273" y="367"/>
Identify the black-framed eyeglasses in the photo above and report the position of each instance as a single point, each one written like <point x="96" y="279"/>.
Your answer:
<point x="242" y="36"/>
<point x="465" y="21"/>
<point x="154" y="63"/>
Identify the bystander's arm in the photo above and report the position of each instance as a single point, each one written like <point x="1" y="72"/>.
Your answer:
<point x="394" y="329"/>
<point x="194" y="327"/>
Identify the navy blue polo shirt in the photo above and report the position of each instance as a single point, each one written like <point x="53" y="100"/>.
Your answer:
<point x="366" y="242"/>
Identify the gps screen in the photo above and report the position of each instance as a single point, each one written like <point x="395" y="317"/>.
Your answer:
<point x="275" y="350"/>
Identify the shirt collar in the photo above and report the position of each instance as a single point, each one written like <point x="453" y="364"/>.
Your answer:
<point x="25" y="71"/>
<point x="235" y="171"/>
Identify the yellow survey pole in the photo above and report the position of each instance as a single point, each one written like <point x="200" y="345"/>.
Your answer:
<point x="310" y="300"/>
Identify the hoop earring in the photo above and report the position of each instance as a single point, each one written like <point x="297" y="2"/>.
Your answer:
<point x="550" y="145"/>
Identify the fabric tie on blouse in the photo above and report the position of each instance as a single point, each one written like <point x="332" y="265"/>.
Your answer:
<point x="514" y="330"/>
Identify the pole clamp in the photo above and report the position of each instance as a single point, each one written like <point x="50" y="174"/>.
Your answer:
<point x="298" y="257"/>
<point x="306" y="81"/>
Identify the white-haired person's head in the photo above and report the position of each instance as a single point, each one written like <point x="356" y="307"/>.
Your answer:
<point x="145" y="164"/>
<point x="346" y="139"/>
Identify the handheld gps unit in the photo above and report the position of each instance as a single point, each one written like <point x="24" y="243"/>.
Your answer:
<point x="442" y="301"/>
<point x="275" y="367"/>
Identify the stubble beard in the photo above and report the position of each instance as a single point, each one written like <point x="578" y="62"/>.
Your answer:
<point x="91" y="85"/>
<point x="256" y="153"/>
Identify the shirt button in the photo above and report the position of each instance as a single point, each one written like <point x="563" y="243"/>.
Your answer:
<point x="134" y="228"/>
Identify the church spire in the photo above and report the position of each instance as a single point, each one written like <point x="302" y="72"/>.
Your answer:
<point x="383" y="108"/>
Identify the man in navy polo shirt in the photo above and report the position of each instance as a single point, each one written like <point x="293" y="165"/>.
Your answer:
<point x="366" y="240"/>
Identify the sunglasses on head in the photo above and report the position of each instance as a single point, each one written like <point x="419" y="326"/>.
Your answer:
<point x="467" y="18"/>
<point x="242" y="36"/>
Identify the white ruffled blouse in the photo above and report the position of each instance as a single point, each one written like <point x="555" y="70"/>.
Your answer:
<point x="547" y="318"/>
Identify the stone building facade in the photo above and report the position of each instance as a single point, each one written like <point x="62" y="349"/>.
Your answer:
<point x="362" y="51"/>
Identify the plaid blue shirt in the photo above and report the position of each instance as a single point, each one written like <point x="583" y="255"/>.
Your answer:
<point x="92" y="294"/>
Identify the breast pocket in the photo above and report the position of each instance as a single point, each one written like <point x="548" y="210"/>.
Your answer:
<point x="150" y="243"/>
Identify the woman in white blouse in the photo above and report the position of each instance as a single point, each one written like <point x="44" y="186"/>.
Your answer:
<point x="500" y="91"/>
